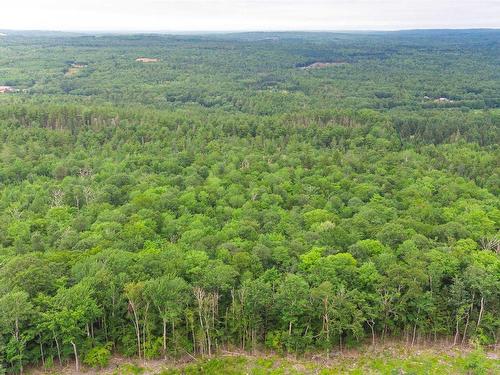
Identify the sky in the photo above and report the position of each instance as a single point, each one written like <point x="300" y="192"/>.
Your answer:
<point x="241" y="15"/>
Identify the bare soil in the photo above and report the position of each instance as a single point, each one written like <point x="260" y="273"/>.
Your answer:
<point x="147" y="59"/>
<point x="74" y="69"/>
<point x="321" y="65"/>
<point x="7" y="89"/>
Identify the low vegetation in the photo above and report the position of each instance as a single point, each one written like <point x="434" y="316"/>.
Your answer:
<point x="384" y="360"/>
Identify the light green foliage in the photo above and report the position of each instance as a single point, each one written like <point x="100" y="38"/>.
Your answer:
<point x="98" y="356"/>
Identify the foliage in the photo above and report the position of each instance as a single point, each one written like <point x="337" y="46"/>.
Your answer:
<point x="98" y="356"/>
<point x="228" y="196"/>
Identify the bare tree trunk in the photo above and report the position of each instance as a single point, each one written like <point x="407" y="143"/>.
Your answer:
<point x="480" y="313"/>
<point x="16" y="334"/>
<point x="144" y="331"/>
<point x="414" y="333"/>
<point x="468" y="318"/>
<point x="41" y="351"/>
<point x="164" y="339"/>
<point x="200" y="298"/>
<point x="77" y="365"/>
<point x="137" y="330"/>
<point x="58" y="349"/>
<point x="371" y="323"/>
<point x="209" y="340"/>
<point x="465" y="329"/>
<point x="326" y="326"/>
<point x="457" y="333"/>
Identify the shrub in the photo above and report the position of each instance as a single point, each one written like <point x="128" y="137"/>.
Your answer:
<point x="475" y="362"/>
<point x="129" y="369"/>
<point x="98" y="356"/>
<point x="152" y="348"/>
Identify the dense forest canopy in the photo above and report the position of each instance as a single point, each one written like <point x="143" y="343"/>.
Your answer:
<point x="236" y="193"/>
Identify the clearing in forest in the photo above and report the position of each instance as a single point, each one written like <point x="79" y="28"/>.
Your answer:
<point x="74" y="69"/>
<point x="7" y="89"/>
<point x="321" y="65"/>
<point x="147" y="59"/>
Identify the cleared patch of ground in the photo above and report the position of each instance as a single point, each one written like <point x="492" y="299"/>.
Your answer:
<point x="443" y="100"/>
<point x="386" y="359"/>
<point x="74" y="69"/>
<point x="147" y="59"/>
<point x="322" y="65"/>
<point x="7" y="89"/>
<point x="439" y="100"/>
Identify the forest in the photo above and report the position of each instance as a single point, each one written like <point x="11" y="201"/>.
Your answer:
<point x="294" y="193"/>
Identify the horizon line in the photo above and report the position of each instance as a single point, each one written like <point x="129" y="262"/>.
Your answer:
<point x="186" y="31"/>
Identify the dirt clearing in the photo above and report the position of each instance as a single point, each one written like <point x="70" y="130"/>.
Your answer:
<point x="74" y="69"/>
<point x="147" y="59"/>
<point x="322" y="65"/>
<point x="7" y="89"/>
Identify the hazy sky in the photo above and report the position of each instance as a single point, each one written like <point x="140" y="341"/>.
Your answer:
<point x="196" y="15"/>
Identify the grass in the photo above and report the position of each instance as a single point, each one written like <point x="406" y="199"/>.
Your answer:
<point x="129" y="369"/>
<point x="425" y="362"/>
<point x="385" y="361"/>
